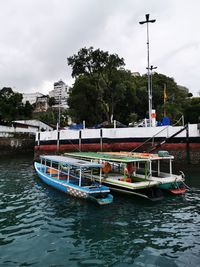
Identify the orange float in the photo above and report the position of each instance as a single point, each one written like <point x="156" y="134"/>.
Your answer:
<point x="106" y="168"/>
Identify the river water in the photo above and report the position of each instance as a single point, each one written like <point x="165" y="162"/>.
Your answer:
<point x="40" y="226"/>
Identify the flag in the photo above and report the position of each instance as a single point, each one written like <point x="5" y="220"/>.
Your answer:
<point x="165" y="98"/>
<point x="165" y="94"/>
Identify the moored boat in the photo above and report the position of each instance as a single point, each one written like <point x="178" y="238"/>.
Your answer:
<point x="115" y="177"/>
<point x="151" y="170"/>
<point x="68" y="175"/>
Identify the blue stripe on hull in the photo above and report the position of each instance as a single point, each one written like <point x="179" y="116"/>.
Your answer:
<point x="72" y="189"/>
<point x="58" y="184"/>
<point x="52" y="183"/>
<point x="171" y="185"/>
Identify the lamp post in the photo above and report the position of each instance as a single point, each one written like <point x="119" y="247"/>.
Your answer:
<point x="58" y="119"/>
<point x="147" y="21"/>
<point x="151" y="84"/>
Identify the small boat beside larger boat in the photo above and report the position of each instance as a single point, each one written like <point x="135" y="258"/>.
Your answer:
<point x="115" y="176"/>
<point x="151" y="170"/>
<point x="125" y="170"/>
<point x="68" y="175"/>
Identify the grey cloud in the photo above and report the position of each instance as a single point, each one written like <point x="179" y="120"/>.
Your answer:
<point x="38" y="36"/>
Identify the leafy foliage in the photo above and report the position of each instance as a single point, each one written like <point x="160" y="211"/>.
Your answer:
<point x="192" y="110"/>
<point x="103" y="91"/>
<point x="51" y="101"/>
<point x="84" y="101"/>
<point x="101" y="68"/>
<point x="11" y="106"/>
<point x="51" y="117"/>
<point x="176" y="96"/>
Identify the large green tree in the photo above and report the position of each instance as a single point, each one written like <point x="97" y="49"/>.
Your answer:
<point x="87" y="102"/>
<point x="172" y="105"/>
<point x="104" y="90"/>
<point x="175" y="97"/>
<point x="84" y="101"/>
<point x="100" y="67"/>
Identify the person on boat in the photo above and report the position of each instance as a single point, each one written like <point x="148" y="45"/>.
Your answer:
<point x="106" y="168"/>
<point x="128" y="171"/>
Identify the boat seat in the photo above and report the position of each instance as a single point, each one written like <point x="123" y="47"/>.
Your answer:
<point x="52" y="171"/>
<point x="60" y="177"/>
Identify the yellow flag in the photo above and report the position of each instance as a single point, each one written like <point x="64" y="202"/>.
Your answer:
<point x="165" y="93"/>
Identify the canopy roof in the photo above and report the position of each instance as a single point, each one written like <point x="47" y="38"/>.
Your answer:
<point x="136" y="155"/>
<point x="63" y="160"/>
<point x="106" y="157"/>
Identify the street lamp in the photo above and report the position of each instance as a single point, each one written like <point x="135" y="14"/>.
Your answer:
<point x="147" y="21"/>
<point x="58" y="119"/>
<point x="151" y="84"/>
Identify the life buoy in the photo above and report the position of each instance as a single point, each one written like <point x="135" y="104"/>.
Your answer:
<point x="106" y="168"/>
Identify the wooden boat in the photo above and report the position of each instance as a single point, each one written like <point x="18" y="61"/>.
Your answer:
<point x="151" y="170"/>
<point x="114" y="175"/>
<point x="68" y="175"/>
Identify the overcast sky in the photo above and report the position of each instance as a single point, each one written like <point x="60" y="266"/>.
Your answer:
<point x="37" y="36"/>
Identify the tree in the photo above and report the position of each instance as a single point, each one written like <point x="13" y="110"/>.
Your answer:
<point x="51" y="117"/>
<point x="104" y="90"/>
<point x="51" y="101"/>
<point x="174" y="103"/>
<point x="100" y="67"/>
<point x="85" y="99"/>
<point x="27" y="110"/>
<point x="192" y="110"/>
<point x="83" y="102"/>
<point x="11" y="106"/>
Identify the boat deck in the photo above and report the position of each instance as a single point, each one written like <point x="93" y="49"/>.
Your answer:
<point x="118" y="179"/>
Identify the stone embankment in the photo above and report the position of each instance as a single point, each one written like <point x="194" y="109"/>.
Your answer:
<point x="16" y="143"/>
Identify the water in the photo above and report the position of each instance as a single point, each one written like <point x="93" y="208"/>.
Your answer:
<point x="42" y="227"/>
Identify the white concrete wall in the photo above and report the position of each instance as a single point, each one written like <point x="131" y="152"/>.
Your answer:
<point x="142" y="132"/>
<point x="37" y="123"/>
<point x="6" y="129"/>
<point x="48" y="135"/>
<point x="145" y="132"/>
<point x="90" y="133"/>
<point x="138" y="132"/>
<point x="69" y="134"/>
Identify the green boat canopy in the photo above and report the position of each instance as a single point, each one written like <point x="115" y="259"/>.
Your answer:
<point x="106" y="157"/>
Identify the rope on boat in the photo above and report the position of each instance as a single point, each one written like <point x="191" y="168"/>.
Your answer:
<point x="183" y="175"/>
<point x="176" y="184"/>
<point x="189" y="188"/>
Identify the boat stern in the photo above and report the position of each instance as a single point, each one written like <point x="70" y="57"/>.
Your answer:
<point x="105" y="200"/>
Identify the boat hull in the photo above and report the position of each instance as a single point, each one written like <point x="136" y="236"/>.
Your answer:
<point x="146" y="189"/>
<point x="70" y="189"/>
<point x="178" y="191"/>
<point x="174" y="185"/>
<point x="175" y="188"/>
<point x="151" y="193"/>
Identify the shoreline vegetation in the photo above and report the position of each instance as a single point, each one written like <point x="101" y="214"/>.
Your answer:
<point x="104" y="90"/>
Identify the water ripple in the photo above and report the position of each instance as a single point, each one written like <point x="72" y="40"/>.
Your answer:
<point x="42" y="227"/>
